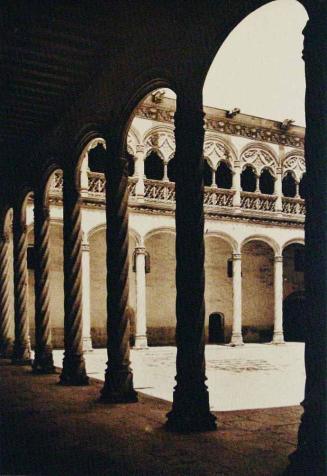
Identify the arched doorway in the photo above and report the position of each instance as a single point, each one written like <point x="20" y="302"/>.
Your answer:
<point x="294" y="323"/>
<point x="216" y="328"/>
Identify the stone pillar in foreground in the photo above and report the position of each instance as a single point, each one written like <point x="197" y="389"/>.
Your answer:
<point x="310" y="456"/>
<point x="278" y="336"/>
<point x="6" y="342"/>
<point x="118" y="386"/>
<point x="43" y="361"/>
<point x="87" y="340"/>
<point x="237" y="300"/>
<point x="190" y="410"/>
<point x="22" y="347"/>
<point x="73" y="371"/>
<point x="140" y="334"/>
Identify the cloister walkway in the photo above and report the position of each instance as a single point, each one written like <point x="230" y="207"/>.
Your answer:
<point x="48" y="429"/>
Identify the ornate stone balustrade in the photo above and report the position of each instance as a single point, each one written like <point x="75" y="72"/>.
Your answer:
<point x="218" y="197"/>
<point x="96" y="184"/>
<point x="158" y="191"/>
<point x="258" y="201"/>
<point x="293" y="206"/>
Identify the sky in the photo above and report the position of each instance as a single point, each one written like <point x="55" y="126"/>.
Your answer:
<point x="259" y="68"/>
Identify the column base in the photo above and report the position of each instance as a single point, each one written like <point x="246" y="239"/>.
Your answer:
<point x="6" y="349"/>
<point x="87" y="344"/>
<point x="118" y="387"/>
<point x="190" y="412"/>
<point x="278" y="338"/>
<point x="21" y="354"/>
<point x="43" y="363"/>
<point x="141" y="342"/>
<point x="73" y="371"/>
<point x="236" y="339"/>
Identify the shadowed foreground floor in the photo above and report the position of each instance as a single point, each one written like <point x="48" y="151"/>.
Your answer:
<point x="50" y="429"/>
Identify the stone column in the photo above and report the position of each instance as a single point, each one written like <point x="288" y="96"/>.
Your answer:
<point x="237" y="300"/>
<point x="73" y="371"/>
<point x="237" y="184"/>
<point x="278" y="190"/>
<point x="118" y="386"/>
<point x="22" y="347"/>
<point x="6" y="342"/>
<point x="140" y="335"/>
<point x="87" y="340"/>
<point x="257" y="184"/>
<point x="43" y="361"/>
<point x="165" y="175"/>
<point x="213" y="180"/>
<point x="278" y="336"/>
<point x="190" y="410"/>
<point x="139" y="171"/>
<point x="310" y="456"/>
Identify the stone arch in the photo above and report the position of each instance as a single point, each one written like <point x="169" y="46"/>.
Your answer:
<point x="225" y="237"/>
<point x="293" y="241"/>
<point x="217" y="150"/>
<point x="266" y="239"/>
<point x="259" y="156"/>
<point x="155" y="231"/>
<point x="133" y="140"/>
<point x="294" y="162"/>
<point x="161" y="140"/>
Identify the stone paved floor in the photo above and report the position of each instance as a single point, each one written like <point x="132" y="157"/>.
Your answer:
<point x="48" y="429"/>
<point x="251" y="376"/>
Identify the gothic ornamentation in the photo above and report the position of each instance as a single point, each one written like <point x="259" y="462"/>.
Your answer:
<point x="294" y="163"/>
<point x="259" y="158"/>
<point x="215" y="151"/>
<point x="163" y="141"/>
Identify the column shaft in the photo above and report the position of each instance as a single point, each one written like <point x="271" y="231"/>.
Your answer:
<point x="118" y="385"/>
<point x="237" y="301"/>
<point x="140" y="335"/>
<point x="237" y="184"/>
<point x="87" y="340"/>
<point x="139" y="166"/>
<point x="73" y="372"/>
<point x="278" y="337"/>
<point x="6" y="342"/>
<point x="22" y="348"/>
<point x="278" y="190"/>
<point x="310" y="456"/>
<point x="43" y="362"/>
<point x="190" y="410"/>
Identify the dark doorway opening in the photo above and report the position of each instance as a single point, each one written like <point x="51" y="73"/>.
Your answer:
<point x="294" y="317"/>
<point x="216" y="328"/>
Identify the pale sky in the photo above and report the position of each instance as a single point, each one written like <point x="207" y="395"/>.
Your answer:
<point x="259" y="68"/>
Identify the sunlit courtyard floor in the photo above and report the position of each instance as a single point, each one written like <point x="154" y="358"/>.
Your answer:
<point x="251" y="376"/>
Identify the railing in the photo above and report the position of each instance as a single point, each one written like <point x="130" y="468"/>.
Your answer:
<point x="293" y="206"/>
<point x="158" y="191"/>
<point x="96" y="184"/>
<point x="258" y="201"/>
<point x="215" y="197"/>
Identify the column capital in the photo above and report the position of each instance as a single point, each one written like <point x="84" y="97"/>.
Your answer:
<point x="279" y="170"/>
<point x="85" y="246"/>
<point x="140" y="250"/>
<point x="140" y="148"/>
<point x="236" y="256"/>
<point x="278" y="258"/>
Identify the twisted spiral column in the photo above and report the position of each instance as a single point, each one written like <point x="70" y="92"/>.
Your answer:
<point x="22" y="348"/>
<point x="118" y="385"/>
<point x="73" y="371"/>
<point x="6" y="342"/>
<point x="43" y="361"/>
<point x="190" y="410"/>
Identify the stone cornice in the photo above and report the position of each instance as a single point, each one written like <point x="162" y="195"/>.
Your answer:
<point x="243" y="125"/>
